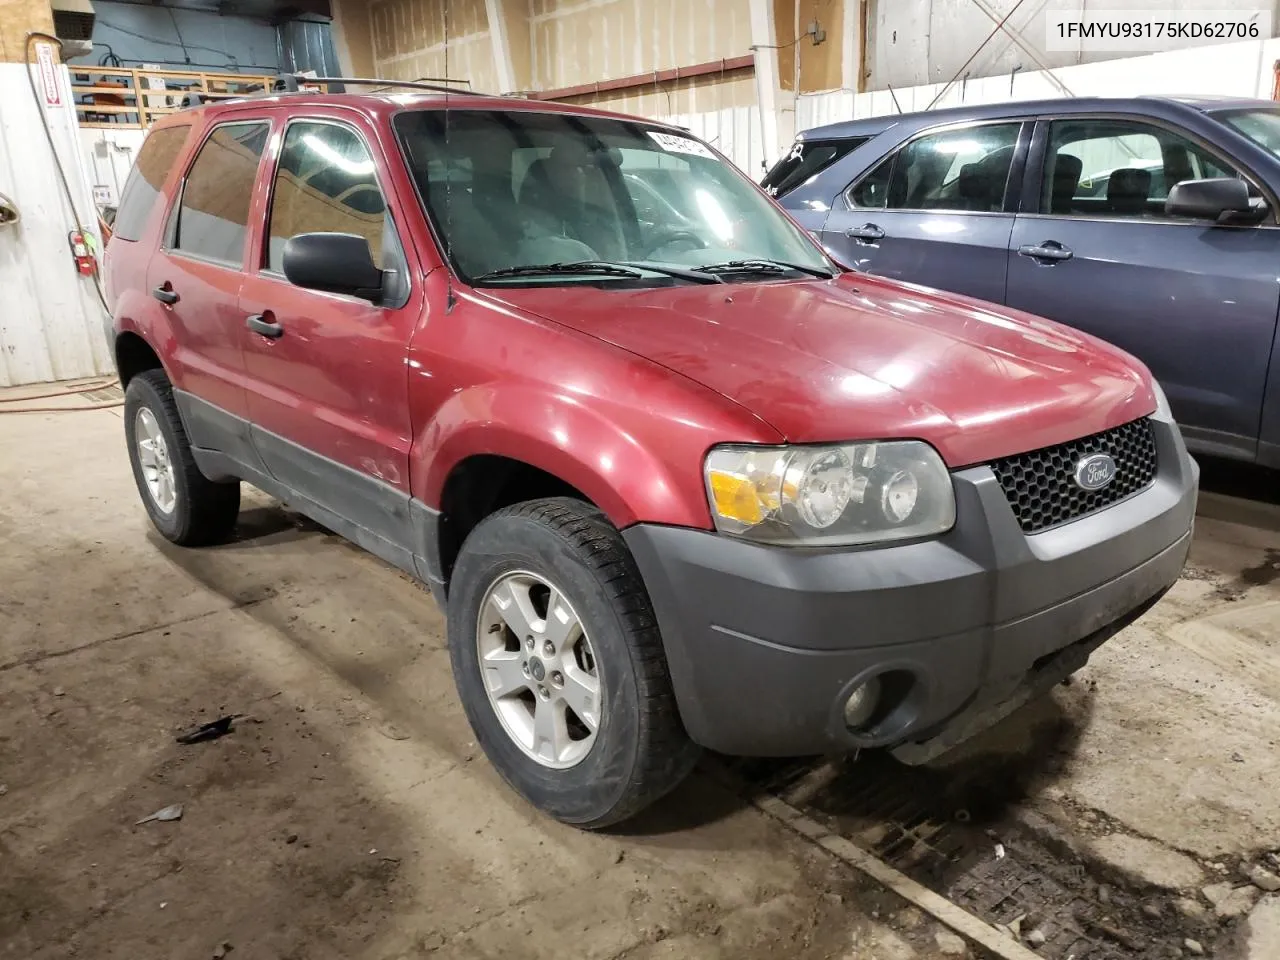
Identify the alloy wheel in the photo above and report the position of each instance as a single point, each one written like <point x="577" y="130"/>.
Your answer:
<point x="153" y="455"/>
<point x="539" y="669"/>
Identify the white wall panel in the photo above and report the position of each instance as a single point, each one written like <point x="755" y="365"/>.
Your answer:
<point x="51" y="324"/>
<point x="916" y="42"/>
<point x="108" y="156"/>
<point x="1235" y="69"/>
<point x="734" y="131"/>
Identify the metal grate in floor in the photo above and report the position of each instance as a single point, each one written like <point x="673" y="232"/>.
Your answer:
<point x="104" y="394"/>
<point x="954" y="831"/>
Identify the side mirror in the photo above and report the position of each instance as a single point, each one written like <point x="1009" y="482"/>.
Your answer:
<point x="334" y="263"/>
<point x="1216" y="199"/>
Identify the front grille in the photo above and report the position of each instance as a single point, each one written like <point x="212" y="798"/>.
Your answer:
<point x="1041" y="485"/>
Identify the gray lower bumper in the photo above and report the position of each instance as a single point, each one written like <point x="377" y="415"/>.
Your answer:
<point x="766" y="643"/>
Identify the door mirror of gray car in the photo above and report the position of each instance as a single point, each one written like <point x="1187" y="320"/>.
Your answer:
<point x="333" y="262"/>
<point x="1221" y="199"/>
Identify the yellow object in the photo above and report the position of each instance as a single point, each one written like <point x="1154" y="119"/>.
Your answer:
<point x="735" y="497"/>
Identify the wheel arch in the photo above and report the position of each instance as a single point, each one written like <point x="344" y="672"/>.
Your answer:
<point x="482" y="484"/>
<point x="142" y="338"/>
<point x="133" y="355"/>
<point x="495" y="445"/>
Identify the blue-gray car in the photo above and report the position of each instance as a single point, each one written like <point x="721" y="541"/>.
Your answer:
<point x="1149" y="222"/>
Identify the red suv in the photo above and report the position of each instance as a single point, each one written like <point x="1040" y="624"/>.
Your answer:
<point x="678" y="478"/>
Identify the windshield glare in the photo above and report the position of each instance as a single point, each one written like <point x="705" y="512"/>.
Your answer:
<point x="1260" y="126"/>
<point x="512" y="188"/>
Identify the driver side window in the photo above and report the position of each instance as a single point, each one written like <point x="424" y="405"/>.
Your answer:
<point x="325" y="183"/>
<point x="1121" y="168"/>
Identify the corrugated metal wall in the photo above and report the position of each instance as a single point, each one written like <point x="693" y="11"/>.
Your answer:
<point x="307" y="45"/>
<point x="1234" y="69"/>
<point x="915" y="42"/>
<point x="734" y="131"/>
<point x="51" y="324"/>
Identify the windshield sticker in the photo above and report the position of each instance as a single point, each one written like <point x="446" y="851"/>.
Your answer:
<point x="677" y="144"/>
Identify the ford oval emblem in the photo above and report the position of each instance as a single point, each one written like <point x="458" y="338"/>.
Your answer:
<point x="1095" y="471"/>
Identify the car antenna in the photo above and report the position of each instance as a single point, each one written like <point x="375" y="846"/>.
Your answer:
<point x="450" y="300"/>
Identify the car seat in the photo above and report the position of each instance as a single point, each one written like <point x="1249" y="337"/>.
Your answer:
<point x="981" y="184"/>
<point x="1129" y="190"/>
<point x="1064" y="181"/>
<point x="566" y="186"/>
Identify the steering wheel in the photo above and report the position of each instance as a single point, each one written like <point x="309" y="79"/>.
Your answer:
<point x="671" y="235"/>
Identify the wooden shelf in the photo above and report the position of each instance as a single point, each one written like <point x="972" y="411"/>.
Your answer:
<point x="118" y="91"/>
<point x="138" y="98"/>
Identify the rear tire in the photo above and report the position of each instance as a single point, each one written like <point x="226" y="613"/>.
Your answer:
<point x="184" y="505"/>
<point x="561" y="562"/>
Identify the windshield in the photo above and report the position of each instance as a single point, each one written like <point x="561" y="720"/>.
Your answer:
<point x="1260" y="126"/>
<point x="513" y="189"/>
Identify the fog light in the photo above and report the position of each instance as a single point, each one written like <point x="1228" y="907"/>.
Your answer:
<point x="862" y="703"/>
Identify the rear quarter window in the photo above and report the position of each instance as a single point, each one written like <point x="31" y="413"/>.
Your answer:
<point x="157" y="157"/>
<point x="807" y="159"/>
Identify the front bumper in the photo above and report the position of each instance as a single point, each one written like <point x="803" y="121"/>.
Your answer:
<point x="766" y="643"/>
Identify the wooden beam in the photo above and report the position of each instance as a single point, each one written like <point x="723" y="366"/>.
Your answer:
<point x="640" y="80"/>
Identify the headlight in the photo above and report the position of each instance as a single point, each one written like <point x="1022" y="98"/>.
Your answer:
<point x="1163" y="410"/>
<point x="850" y="493"/>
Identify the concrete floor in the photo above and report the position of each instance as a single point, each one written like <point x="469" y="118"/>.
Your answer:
<point x="353" y="817"/>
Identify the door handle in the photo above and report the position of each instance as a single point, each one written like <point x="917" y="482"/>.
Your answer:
<point x="1049" y="250"/>
<point x="865" y="233"/>
<point x="165" y="294"/>
<point x="263" y="324"/>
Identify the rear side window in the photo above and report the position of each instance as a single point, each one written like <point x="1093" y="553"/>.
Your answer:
<point x="325" y="183"/>
<point x="156" y="158"/>
<point x="807" y="158"/>
<point x="959" y="169"/>
<point x="213" y="218"/>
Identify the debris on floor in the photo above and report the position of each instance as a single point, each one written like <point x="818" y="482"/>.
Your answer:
<point x="163" y="815"/>
<point x="208" y="731"/>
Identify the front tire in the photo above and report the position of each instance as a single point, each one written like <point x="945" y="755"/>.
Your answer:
<point x="184" y="505"/>
<point x="559" y="664"/>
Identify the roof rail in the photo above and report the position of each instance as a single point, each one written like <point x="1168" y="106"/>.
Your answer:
<point x="290" y="82"/>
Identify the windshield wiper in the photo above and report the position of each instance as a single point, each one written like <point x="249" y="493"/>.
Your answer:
<point x="684" y="273"/>
<point x="609" y="268"/>
<point x="550" y="269"/>
<point x="762" y="266"/>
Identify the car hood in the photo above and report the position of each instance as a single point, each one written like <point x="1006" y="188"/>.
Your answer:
<point x="860" y="357"/>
